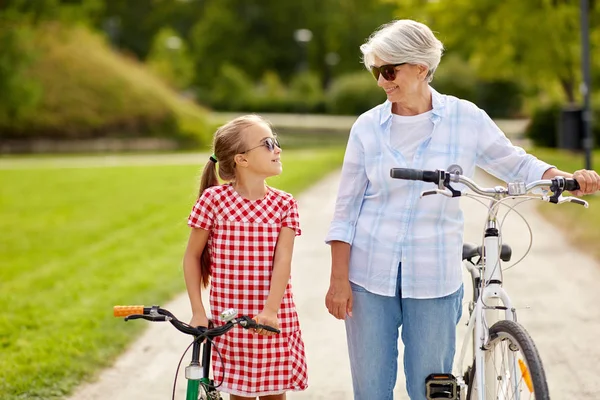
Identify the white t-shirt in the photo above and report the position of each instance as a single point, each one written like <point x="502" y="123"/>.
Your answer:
<point x="408" y="132"/>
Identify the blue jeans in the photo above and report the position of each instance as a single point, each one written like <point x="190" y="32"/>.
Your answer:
<point x="428" y="334"/>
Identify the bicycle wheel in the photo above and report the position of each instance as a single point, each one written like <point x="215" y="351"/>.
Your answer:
<point x="515" y="365"/>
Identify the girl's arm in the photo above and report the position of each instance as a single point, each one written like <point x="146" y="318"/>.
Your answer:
<point x="191" y="272"/>
<point x="282" y="265"/>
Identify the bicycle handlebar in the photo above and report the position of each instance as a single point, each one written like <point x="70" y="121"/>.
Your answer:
<point x="157" y="314"/>
<point x="443" y="179"/>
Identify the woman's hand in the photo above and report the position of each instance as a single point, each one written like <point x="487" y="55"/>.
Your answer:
<point x="199" y="320"/>
<point x="589" y="182"/>
<point x="268" y="318"/>
<point x="339" y="298"/>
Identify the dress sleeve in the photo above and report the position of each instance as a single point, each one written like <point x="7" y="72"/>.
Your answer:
<point x="203" y="213"/>
<point x="291" y="218"/>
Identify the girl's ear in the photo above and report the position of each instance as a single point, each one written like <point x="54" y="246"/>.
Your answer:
<point x="240" y="160"/>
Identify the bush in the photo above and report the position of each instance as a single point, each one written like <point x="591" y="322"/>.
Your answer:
<point x="543" y="127"/>
<point x="499" y="98"/>
<point x="270" y="95"/>
<point x="455" y="77"/>
<point x="232" y="91"/>
<point x="19" y="95"/>
<point x="353" y="94"/>
<point x="306" y="93"/>
<point x="89" y="91"/>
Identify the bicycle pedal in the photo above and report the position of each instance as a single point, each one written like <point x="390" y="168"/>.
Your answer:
<point x="441" y="386"/>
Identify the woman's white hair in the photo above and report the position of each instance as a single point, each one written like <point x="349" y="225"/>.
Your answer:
<point x="404" y="41"/>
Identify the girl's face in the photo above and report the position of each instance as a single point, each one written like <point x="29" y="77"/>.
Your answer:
<point x="263" y="154"/>
<point x="407" y="81"/>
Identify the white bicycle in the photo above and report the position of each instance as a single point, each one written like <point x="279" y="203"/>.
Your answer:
<point x="506" y="364"/>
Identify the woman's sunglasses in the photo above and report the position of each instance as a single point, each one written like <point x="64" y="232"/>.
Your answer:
<point x="388" y="71"/>
<point x="269" y="143"/>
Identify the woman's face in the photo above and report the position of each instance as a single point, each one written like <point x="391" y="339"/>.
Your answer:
<point x="409" y="80"/>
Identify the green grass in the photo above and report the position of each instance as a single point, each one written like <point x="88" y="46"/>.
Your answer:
<point x="582" y="224"/>
<point x="76" y="241"/>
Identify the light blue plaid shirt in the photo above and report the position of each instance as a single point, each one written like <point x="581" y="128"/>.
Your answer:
<point x="387" y="223"/>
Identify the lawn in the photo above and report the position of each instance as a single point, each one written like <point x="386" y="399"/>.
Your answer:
<point x="77" y="240"/>
<point x="583" y="225"/>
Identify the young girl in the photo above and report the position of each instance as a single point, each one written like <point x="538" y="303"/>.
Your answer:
<point x="242" y="240"/>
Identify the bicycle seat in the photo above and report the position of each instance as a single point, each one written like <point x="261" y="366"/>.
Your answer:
<point x="470" y="250"/>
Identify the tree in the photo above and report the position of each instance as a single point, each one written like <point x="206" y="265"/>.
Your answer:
<point x="536" y="42"/>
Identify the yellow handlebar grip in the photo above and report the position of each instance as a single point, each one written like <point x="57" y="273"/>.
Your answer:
<point x="124" y="311"/>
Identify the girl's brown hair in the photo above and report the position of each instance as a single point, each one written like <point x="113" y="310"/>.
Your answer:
<point x="227" y="142"/>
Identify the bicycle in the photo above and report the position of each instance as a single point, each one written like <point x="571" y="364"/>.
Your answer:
<point x="506" y="363"/>
<point x="199" y="384"/>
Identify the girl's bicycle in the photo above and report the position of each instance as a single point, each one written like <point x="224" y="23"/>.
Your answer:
<point x="200" y="386"/>
<point x="506" y="364"/>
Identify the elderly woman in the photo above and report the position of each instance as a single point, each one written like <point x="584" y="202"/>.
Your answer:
<point x="396" y="257"/>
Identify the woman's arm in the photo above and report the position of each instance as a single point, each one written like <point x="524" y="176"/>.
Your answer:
<point x="191" y="272"/>
<point x="282" y="266"/>
<point x="589" y="181"/>
<point x="339" y="296"/>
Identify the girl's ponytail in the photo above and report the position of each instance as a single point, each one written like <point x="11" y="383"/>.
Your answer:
<point x="208" y="179"/>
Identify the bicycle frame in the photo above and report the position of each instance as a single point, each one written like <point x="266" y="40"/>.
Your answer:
<point x="196" y="373"/>
<point x="488" y="302"/>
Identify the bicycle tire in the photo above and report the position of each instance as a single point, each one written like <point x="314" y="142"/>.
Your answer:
<point x="518" y="336"/>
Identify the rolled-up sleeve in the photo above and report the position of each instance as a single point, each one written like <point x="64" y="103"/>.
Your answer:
<point x="352" y="186"/>
<point x="498" y="156"/>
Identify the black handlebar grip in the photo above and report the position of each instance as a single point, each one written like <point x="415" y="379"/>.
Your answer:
<point x="414" y="175"/>
<point x="269" y="328"/>
<point x="571" y="185"/>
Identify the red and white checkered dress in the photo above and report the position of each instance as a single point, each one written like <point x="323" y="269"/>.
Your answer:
<point x="243" y="235"/>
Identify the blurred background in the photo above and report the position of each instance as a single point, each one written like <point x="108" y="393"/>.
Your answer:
<point x="107" y="110"/>
<point x="81" y="69"/>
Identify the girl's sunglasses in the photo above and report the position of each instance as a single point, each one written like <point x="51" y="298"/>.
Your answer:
<point x="269" y="143"/>
<point x="388" y="71"/>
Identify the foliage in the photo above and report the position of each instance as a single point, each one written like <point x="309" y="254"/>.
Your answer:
<point x="354" y="94"/>
<point x="169" y="58"/>
<point x="306" y="93"/>
<point x="535" y="43"/>
<point x="263" y="34"/>
<point x="18" y="94"/>
<point x="543" y="130"/>
<point x="87" y="91"/>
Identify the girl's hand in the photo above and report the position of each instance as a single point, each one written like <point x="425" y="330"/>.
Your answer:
<point x="267" y="318"/>
<point x="199" y="320"/>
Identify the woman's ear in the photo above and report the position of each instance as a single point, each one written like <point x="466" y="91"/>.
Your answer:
<point x="423" y="71"/>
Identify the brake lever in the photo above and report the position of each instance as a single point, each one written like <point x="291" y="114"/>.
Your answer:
<point x="444" y="192"/>
<point x="569" y="199"/>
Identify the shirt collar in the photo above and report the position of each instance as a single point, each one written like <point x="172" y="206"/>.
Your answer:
<point x="438" y="101"/>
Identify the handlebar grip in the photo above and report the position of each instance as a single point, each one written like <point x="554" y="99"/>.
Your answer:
<point x="269" y="328"/>
<point x="414" y="174"/>
<point x="571" y="185"/>
<point x="124" y="311"/>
